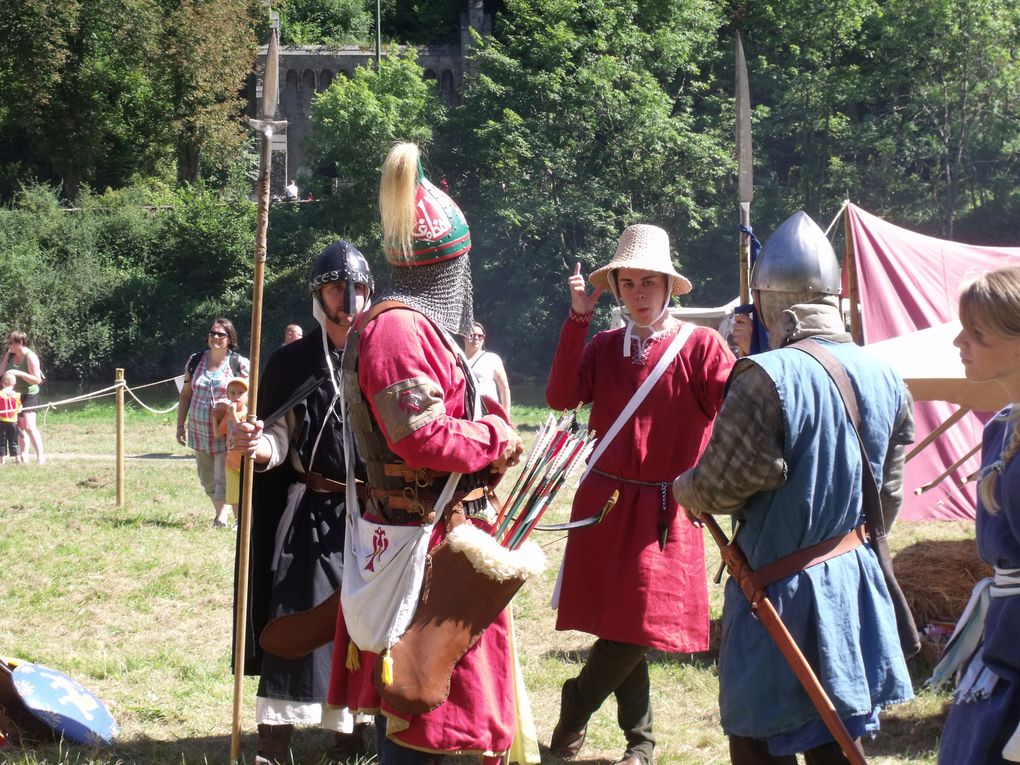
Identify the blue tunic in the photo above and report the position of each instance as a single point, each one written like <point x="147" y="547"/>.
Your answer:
<point x="839" y="611"/>
<point x="976" y="731"/>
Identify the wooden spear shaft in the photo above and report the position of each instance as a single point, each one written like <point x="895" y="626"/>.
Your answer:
<point x="266" y="126"/>
<point x="244" y="522"/>
<point x="738" y="567"/>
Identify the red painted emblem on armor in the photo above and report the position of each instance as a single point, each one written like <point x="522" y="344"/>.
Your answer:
<point x="410" y="401"/>
<point x="379" y="545"/>
<point x="430" y="220"/>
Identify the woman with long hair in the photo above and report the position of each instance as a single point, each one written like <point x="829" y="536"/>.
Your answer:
<point x="24" y="364"/>
<point x="983" y="721"/>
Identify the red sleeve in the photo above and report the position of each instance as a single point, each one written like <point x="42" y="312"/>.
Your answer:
<point x="572" y="375"/>
<point x="711" y="363"/>
<point x="403" y="345"/>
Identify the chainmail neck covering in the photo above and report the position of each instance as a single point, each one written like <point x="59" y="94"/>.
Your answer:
<point x="441" y="291"/>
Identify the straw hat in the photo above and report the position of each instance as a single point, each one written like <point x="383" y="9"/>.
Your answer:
<point x="242" y="381"/>
<point x="646" y="248"/>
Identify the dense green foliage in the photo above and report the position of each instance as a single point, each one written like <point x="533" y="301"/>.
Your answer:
<point x="576" y="118"/>
<point x="130" y="279"/>
<point x="99" y="92"/>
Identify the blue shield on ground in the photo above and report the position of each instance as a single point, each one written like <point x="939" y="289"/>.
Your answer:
<point x="63" y="704"/>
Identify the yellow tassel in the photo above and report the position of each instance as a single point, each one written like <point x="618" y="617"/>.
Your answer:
<point x="353" y="659"/>
<point x="387" y="669"/>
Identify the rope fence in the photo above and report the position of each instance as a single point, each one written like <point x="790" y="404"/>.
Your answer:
<point x="110" y="390"/>
<point x="118" y="389"/>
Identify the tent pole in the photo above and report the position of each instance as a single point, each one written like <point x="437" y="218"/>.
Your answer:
<point x="949" y="422"/>
<point x="850" y="264"/>
<point x="948" y="472"/>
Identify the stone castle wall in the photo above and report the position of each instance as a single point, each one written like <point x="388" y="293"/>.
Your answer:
<point x="307" y="70"/>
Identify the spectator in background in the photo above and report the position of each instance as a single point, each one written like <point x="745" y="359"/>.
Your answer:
<point x="24" y="364"/>
<point x="227" y="421"/>
<point x="291" y="191"/>
<point x="203" y="394"/>
<point x="291" y="333"/>
<point x="487" y="367"/>
<point x="10" y="405"/>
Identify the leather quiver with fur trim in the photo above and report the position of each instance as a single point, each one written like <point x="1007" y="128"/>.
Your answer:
<point x="468" y="583"/>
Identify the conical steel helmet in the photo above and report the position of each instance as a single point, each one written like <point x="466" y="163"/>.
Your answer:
<point x="797" y="258"/>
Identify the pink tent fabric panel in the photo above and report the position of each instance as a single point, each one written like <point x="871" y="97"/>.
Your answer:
<point x="907" y="282"/>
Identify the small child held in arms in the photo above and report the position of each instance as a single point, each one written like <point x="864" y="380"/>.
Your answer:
<point x="226" y="426"/>
<point x="10" y="406"/>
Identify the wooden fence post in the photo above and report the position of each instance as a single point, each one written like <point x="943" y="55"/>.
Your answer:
<point x="118" y="378"/>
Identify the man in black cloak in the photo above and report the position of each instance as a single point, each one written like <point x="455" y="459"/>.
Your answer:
<point x="297" y="532"/>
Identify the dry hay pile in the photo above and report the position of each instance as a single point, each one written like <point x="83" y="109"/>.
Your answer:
<point x="937" y="577"/>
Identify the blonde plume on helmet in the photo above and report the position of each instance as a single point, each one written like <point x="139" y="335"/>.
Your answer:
<point x="396" y="200"/>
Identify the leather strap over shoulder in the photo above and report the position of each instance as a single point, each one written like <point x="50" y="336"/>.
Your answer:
<point x="375" y="310"/>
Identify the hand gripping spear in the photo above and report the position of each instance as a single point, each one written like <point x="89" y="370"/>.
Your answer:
<point x="266" y="126"/>
<point x="737" y="565"/>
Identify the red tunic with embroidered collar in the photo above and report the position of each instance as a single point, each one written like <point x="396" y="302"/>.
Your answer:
<point x="400" y="346"/>
<point x="616" y="582"/>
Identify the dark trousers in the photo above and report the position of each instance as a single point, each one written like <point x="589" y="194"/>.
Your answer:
<point x="8" y="439"/>
<point x="622" y="670"/>
<point x="753" y="751"/>
<point x="392" y="753"/>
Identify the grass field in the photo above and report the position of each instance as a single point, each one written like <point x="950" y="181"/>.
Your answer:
<point x="135" y="603"/>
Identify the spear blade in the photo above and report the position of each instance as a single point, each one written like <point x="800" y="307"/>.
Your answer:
<point x="271" y="78"/>
<point x="745" y="178"/>
<point x="745" y="169"/>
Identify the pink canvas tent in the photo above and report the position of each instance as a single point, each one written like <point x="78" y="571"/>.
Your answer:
<point x="906" y="282"/>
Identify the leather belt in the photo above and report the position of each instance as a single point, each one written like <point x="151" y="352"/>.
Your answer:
<point x="323" y="485"/>
<point x="808" y="557"/>
<point x="656" y="484"/>
<point x="421" y="502"/>
<point x="419" y="476"/>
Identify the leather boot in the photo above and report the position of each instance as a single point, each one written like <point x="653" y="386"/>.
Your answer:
<point x="565" y="744"/>
<point x="349" y="747"/>
<point x="274" y="744"/>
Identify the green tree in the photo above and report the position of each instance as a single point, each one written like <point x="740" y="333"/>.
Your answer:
<point x="804" y="62"/>
<point x="325" y="22"/>
<point x="79" y="95"/>
<point x="356" y="120"/>
<point x="583" y="117"/>
<point x="950" y="124"/>
<point x="208" y="51"/>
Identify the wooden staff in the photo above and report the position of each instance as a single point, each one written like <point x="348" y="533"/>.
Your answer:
<point x="949" y="471"/>
<point x="266" y="126"/>
<point x="950" y="421"/>
<point x="737" y="565"/>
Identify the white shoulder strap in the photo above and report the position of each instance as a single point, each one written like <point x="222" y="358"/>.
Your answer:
<point x="682" y="335"/>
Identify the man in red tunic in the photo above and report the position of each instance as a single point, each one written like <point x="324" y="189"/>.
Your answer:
<point x="637" y="579"/>
<point x="411" y="405"/>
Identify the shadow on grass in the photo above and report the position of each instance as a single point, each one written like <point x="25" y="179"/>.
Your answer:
<point x="309" y="747"/>
<point x="160" y="456"/>
<point x="702" y="659"/>
<point x="906" y="734"/>
<point x="138" y="522"/>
